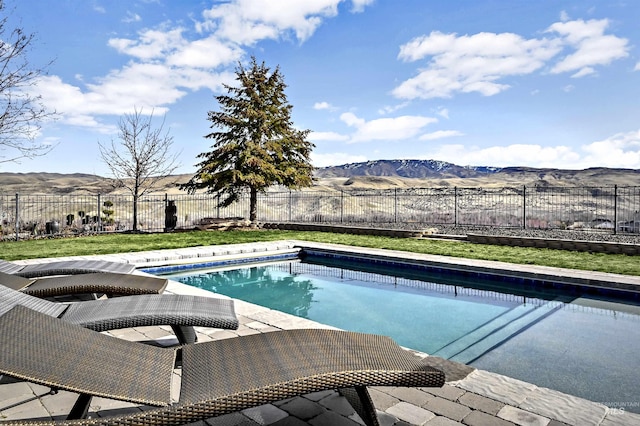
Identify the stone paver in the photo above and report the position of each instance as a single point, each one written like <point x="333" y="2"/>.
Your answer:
<point x="621" y="418"/>
<point x="449" y="409"/>
<point x="562" y="407"/>
<point x="233" y="419"/>
<point x="412" y="395"/>
<point x="498" y="387"/>
<point x="410" y="413"/>
<point x="482" y="403"/>
<point x="449" y="392"/>
<point x="329" y="418"/>
<point x="382" y="400"/>
<point x="522" y="417"/>
<point x="478" y="418"/>
<point x="265" y="414"/>
<point x="337" y="404"/>
<point x="442" y="421"/>
<point x="302" y="408"/>
<point x="290" y="421"/>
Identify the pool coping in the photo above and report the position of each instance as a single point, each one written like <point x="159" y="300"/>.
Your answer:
<point x="591" y="279"/>
<point x="248" y="252"/>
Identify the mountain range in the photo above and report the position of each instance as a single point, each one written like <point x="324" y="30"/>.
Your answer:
<point x="440" y="173"/>
<point x="420" y="169"/>
<point x="414" y="169"/>
<point x="379" y="174"/>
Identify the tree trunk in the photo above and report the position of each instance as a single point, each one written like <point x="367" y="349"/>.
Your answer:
<point x="135" y="212"/>
<point x="253" y="206"/>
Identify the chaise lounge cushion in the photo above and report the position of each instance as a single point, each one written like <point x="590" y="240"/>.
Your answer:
<point x="65" y="267"/>
<point x="102" y="283"/>
<point x="218" y="377"/>
<point x="181" y="312"/>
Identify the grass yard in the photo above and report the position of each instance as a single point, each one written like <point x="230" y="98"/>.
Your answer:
<point x="119" y="243"/>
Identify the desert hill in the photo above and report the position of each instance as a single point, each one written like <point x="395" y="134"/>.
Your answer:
<point x="381" y="174"/>
<point x="72" y="184"/>
<point x="429" y="173"/>
<point x="415" y="169"/>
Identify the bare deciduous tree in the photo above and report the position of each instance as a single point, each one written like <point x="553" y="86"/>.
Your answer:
<point x="21" y="111"/>
<point x="141" y="156"/>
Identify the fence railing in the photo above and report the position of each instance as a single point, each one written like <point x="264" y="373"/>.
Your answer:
<point x="610" y="209"/>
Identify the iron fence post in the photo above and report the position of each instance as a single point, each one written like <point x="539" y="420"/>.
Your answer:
<point x="17" y="218"/>
<point x="99" y="221"/>
<point x="164" y="219"/>
<point x="341" y="206"/>
<point x="290" y="205"/>
<point x="455" y="206"/>
<point x="524" y="207"/>
<point x="395" y="205"/>
<point x="615" y="209"/>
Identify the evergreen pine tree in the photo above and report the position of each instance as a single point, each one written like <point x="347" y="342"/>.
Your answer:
<point x="256" y="145"/>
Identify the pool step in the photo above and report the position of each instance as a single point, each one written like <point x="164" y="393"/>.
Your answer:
<point x="495" y="332"/>
<point x="464" y="342"/>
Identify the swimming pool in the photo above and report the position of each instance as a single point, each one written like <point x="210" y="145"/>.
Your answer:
<point x="562" y="338"/>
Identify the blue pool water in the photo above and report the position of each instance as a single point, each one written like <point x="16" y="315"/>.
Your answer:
<point x="577" y="343"/>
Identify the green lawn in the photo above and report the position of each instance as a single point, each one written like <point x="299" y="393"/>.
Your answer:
<point x="118" y="243"/>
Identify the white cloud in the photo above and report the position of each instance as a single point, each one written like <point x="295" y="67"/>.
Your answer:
<point x="470" y="63"/>
<point x="637" y="67"/>
<point x="505" y="156"/>
<point x="479" y="62"/>
<point x="322" y="105"/>
<point x="335" y="159"/>
<point x="392" y="108"/>
<point x="398" y="128"/>
<point x="592" y="46"/>
<point x="150" y="44"/>
<point x="98" y="8"/>
<point x="152" y="84"/>
<point x="620" y="150"/>
<point x="327" y="136"/>
<point x="443" y="112"/>
<point x="205" y="53"/>
<point x="51" y="140"/>
<point x="350" y="119"/>
<point x="359" y="5"/>
<point x="149" y="86"/>
<point x="583" y="72"/>
<point x="248" y="21"/>
<point x="131" y="17"/>
<point x="440" y="134"/>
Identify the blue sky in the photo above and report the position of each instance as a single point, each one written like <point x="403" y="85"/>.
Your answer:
<point x="546" y="83"/>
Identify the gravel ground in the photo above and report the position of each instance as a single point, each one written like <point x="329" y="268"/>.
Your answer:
<point x="560" y="234"/>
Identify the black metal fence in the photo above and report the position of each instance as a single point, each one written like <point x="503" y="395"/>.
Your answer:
<point x="612" y="209"/>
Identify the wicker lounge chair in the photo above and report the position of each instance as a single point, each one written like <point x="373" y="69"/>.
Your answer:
<point x="217" y="377"/>
<point x="101" y="282"/>
<point x="65" y="267"/>
<point x="181" y="312"/>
